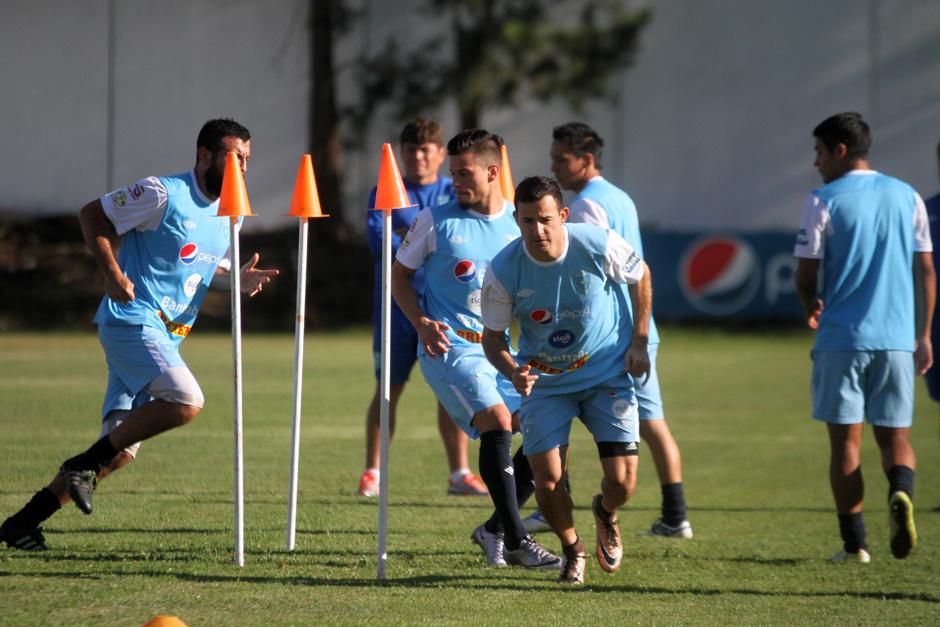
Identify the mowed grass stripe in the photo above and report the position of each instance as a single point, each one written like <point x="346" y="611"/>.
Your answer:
<point x="160" y="540"/>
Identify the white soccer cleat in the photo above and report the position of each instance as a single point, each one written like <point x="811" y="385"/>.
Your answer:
<point x="861" y="557"/>
<point x="492" y="545"/>
<point x="662" y="530"/>
<point x="532" y="555"/>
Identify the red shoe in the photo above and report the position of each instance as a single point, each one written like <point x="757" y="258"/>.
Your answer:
<point x="468" y="485"/>
<point x="369" y="484"/>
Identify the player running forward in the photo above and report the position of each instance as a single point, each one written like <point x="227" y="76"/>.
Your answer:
<point x="577" y="352"/>
<point x="872" y="316"/>
<point x="422" y="154"/>
<point x="172" y="244"/>
<point x="576" y="163"/>
<point x="454" y="244"/>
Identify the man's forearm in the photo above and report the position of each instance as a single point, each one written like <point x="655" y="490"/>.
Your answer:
<point x="100" y="238"/>
<point x="925" y="293"/>
<point x="497" y="352"/>
<point x="641" y="299"/>
<point x="404" y="294"/>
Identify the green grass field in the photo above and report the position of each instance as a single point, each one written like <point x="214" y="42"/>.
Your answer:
<point x="161" y="538"/>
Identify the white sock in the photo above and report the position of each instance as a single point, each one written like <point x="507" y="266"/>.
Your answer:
<point x="457" y="475"/>
<point x="374" y="472"/>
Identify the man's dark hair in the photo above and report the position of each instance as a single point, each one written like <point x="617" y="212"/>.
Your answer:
<point x="581" y="139"/>
<point x="483" y="144"/>
<point x="845" y="128"/>
<point x="212" y="132"/>
<point x="535" y="188"/>
<point x="422" y="131"/>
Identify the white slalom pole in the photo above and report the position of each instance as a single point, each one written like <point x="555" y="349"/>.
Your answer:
<point x="385" y="388"/>
<point x="237" y="399"/>
<point x="298" y="382"/>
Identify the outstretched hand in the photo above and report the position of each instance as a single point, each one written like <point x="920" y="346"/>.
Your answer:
<point x="522" y="380"/>
<point x="433" y="337"/>
<point x="253" y="279"/>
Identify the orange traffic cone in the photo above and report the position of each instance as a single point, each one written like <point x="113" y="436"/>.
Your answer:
<point x="505" y="176"/>
<point x="164" y="621"/>
<point x="306" y="200"/>
<point x="390" y="193"/>
<point x="233" y="202"/>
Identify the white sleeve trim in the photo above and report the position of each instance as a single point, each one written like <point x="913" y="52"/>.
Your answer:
<point x="814" y="226"/>
<point x="589" y="211"/>
<point x="139" y="206"/>
<point x="621" y="262"/>
<point x="496" y="304"/>
<point x="922" y="242"/>
<point x="419" y="242"/>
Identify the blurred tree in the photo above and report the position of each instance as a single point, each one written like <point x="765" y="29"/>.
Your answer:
<point x="329" y="20"/>
<point x="501" y="50"/>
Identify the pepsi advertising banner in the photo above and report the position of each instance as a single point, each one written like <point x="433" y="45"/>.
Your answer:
<point x="722" y="275"/>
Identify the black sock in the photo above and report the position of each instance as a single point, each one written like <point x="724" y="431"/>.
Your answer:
<point x="574" y="549"/>
<point x="602" y="513"/>
<point x="494" y="462"/>
<point x="900" y="478"/>
<point x="852" y="530"/>
<point x="97" y="457"/>
<point x="525" y="487"/>
<point x="43" y="505"/>
<point x="673" y="504"/>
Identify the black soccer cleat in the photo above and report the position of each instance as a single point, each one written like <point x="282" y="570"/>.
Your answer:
<point x="31" y="540"/>
<point x="81" y="483"/>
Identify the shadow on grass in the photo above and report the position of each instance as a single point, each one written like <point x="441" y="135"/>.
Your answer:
<point x="483" y="582"/>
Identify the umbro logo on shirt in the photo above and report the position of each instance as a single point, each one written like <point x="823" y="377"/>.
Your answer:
<point x="456" y="239"/>
<point x="525" y="292"/>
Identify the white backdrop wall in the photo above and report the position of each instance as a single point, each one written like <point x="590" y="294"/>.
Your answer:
<point x="712" y="128"/>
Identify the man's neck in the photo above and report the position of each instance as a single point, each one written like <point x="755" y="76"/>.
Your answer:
<point x="200" y="175"/>
<point x="421" y="182"/>
<point x="582" y="183"/>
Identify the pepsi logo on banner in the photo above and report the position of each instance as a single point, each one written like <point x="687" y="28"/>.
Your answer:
<point x="188" y="253"/>
<point x="465" y="271"/>
<point x="542" y="316"/>
<point x="719" y="275"/>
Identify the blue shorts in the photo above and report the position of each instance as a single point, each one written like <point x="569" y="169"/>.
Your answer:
<point x="850" y="386"/>
<point x="403" y="345"/>
<point x="648" y="396"/>
<point x="465" y="383"/>
<point x="136" y="355"/>
<point x="608" y="410"/>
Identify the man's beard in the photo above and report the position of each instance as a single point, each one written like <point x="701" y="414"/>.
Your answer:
<point x="213" y="181"/>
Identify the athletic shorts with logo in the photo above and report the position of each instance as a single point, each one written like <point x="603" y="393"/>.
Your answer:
<point x="850" y="386"/>
<point x="466" y="383"/>
<point x="608" y="410"/>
